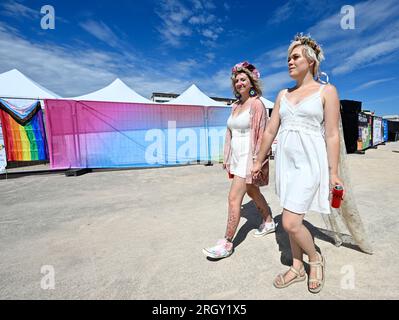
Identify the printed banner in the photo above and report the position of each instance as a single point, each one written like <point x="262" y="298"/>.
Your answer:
<point x="378" y="133"/>
<point x="385" y="125"/>
<point x="365" y="125"/>
<point x="24" y="142"/>
<point x="92" y="134"/>
<point x="3" y="159"/>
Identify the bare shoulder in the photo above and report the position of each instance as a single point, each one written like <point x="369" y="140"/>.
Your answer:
<point x="330" y="90"/>
<point x="235" y="103"/>
<point x="330" y="94"/>
<point x="280" y="94"/>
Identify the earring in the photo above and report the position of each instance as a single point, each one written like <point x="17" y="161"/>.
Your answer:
<point x="322" y="81"/>
<point x="252" y="92"/>
<point x="238" y="96"/>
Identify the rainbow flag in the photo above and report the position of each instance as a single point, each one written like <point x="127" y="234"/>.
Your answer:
<point x="25" y="142"/>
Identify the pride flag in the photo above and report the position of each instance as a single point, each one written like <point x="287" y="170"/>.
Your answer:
<point x="24" y="142"/>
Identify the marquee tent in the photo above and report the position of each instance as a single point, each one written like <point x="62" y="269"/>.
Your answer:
<point x="14" y="84"/>
<point x="268" y="104"/>
<point x="21" y="116"/>
<point x="194" y="96"/>
<point x="117" y="91"/>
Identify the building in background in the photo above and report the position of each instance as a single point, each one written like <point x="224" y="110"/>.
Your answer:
<point x="161" y="97"/>
<point x="392" y="117"/>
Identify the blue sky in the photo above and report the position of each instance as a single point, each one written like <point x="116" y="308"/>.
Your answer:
<point x="165" y="46"/>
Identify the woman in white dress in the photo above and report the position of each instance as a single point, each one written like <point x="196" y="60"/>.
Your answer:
<point x="307" y="156"/>
<point x="245" y="128"/>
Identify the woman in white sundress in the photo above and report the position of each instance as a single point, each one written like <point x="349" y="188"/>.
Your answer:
<point x="245" y="128"/>
<point x="306" y="158"/>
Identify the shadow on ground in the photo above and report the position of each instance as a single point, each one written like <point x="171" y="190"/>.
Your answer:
<point x="254" y="219"/>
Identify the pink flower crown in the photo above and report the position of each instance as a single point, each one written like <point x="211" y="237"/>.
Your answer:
<point x="246" y="65"/>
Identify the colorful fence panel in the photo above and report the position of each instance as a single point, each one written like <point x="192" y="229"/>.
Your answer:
<point x="385" y="125"/>
<point x="3" y="159"/>
<point x="365" y="127"/>
<point x="87" y="134"/>
<point x="378" y="131"/>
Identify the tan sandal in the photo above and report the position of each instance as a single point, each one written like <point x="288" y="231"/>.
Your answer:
<point x="320" y="278"/>
<point x="298" y="278"/>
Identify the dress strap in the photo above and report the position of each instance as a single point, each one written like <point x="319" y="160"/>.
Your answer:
<point x="285" y="93"/>
<point x="322" y="88"/>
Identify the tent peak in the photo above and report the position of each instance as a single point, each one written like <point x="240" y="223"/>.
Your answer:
<point x="117" y="91"/>
<point x="194" y="96"/>
<point x="14" y="84"/>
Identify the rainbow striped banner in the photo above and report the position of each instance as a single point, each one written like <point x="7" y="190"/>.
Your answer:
<point x="24" y="142"/>
<point x="3" y="159"/>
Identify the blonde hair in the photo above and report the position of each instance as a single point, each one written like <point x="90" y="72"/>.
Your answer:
<point x="311" y="50"/>
<point x="256" y="83"/>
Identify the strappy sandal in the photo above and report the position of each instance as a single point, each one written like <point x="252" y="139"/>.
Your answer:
<point x="320" y="278"/>
<point x="299" y="276"/>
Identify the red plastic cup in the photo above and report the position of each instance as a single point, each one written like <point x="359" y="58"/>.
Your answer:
<point x="337" y="193"/>
<point x="231" y="176"/>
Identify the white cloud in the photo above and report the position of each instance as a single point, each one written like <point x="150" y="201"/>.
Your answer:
<point x="211" y="56"/>
<point x="73" y="71"/>
<point x="102" y="32"/>
<point x="368" y="17"/>
<point x="179" y="22"/>
<point x="209" y="34"/>
<point x="282" y="13"/>
<point x="219" y="82"/>
<point x="18" y="10"/>
<point x="273" y="59"/>
<point x="300" y="10"/>
<point x="202" y="19"/>
<point x="173" y="15"/>
<point x="363" y="57"/>
<point x="367" y="44"/>
<point x="372" y="83"/>
<point x="275" y="82"/>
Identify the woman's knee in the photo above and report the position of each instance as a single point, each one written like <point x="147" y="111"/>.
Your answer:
<point x="291" y="226"/>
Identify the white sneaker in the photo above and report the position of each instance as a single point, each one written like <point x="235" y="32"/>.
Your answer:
<point x="265" y="228"/>
<point x="223" y="249"/>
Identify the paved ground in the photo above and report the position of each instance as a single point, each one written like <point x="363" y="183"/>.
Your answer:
<point x="138" y="234"/>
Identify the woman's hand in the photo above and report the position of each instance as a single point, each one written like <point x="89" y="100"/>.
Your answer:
<point x="335" y="180"/>
<point x="256" y="167"/>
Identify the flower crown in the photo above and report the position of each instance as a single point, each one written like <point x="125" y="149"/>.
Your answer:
<point x="246" y="65"/>
<point x="308" y="41"/>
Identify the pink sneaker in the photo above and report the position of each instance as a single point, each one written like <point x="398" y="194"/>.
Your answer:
<point x="223" y="249"/>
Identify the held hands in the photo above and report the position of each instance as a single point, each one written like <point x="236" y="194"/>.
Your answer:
<point x="256" y="167"/>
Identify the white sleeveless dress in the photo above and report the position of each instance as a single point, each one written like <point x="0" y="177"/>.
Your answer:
<point x="302" y="175"/>
<point x="240" y="142"/>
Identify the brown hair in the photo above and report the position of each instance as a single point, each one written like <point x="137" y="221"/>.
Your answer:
<point x="256" y="84"/>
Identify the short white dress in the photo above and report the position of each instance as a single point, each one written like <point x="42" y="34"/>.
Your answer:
<point x="302" y="175"/>
<point x="240" y="142"/>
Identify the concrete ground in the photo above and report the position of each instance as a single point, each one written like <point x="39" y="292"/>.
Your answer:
<point x="138" y="234"/>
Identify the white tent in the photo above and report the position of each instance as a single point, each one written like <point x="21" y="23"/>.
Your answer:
<point x="268" y="104"/>
<point x="14" y="84"/>
<point x="117" y="91"/>
<point x="194" y="96"/>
